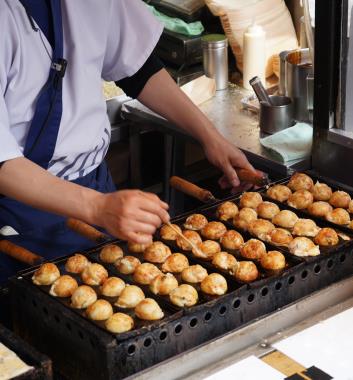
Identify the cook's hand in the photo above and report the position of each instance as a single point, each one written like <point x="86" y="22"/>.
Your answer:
<point x="132" y="215"/>
<point x="227" y="157"/>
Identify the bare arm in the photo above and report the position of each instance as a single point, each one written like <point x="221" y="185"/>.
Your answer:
<point x="130" y="215"/>
<point x="163" y="96"/>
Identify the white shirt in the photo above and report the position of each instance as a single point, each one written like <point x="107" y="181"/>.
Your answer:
<point x="109" y="39"/>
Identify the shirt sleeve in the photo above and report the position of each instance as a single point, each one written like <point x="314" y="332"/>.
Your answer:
<point x="132" y="36"/>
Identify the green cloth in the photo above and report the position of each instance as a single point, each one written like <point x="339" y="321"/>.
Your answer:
<point x="290" y="144"/>
<point x="177" y="25"/>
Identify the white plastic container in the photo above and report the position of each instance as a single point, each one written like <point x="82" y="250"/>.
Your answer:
<point x="254" y="54"/>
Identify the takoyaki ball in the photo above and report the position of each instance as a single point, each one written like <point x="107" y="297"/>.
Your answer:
<point x="250" y="199"/>
<point x="340" y="199"/>
<point x="127" y="264"/>
<point x="130" y="297"/>
<point x="351" y="225"/>
<point x="301" y="199"/>
<point x="112" y="287"/>
<point x="267" y="210"/>
<point x="321" y="192"/>
<point x="137" y="248"/>
<point x="214" y="284"/>
<point x="184" y="296"/>
<point x="76" y="263"/>
<point x="46" y="274"/>
<point x="175" y="263"/>
<point x="285" y="219"/>
<point x="280" y="237"/>
<point x="64" y="286"/>
<point x="339" y="216"/>
<point x="195" y="222"/>
<point x="193" y="236"/>
<point x="227" y="210"/>
<point x="119" y="323"/>
<point x="320" y="209"/>
<point x="305" y="227"/>
<point x="261" y="228"/>
<point x="168" y="233"/>
<point x="246" y="272"/>
<point x="83" y="297"/>
<point x="225" y="261"/>
<point x="273" y="261"/>
<point x="300" y="181"/>
<point x="245" y="216"/>
<point x="350" y="207"/>
<point x="206" y="250"/>
<point x="232" y="240"/>
<point x="145" y="273"/>
<point x="214" y="230"/>
<point x="111" y="253"/>
<point x="94" y="274"/>
<point x="279" y="193"/>
<point x="157" y="252"/>
<point x="302" y="246"/>
<point x="163" y="284"/>
<point x="326" y="237"/>
<point x="194" y="274"/>
<point x="101" y="310"/>
<point x="253" y="249"/>
<point x="149" y="310"/>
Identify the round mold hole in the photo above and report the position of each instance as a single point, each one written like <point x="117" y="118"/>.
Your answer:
<point x="147" y="342"/>
<point x="163" y="336"/>
<point x="343" y="258"/>
<point x="208" y="316"/>
<point x="68" y="326"/>
<point x="45" y="311"/>
<point x="57" y="319"/>
<point x="278" y="286"/>
<point x="131" y="349"/>
<point x="330" y="264"/>
<point x="291" y="280"/>
<point x="193" y="322"/>
<point x="178" y="329"/>
<point x="317" y="269"/>
<point x="264" y="292"/>
<point x="236" y="303"/>
<point x="304" y="274"/>
<point x="80" y="334"/>
<point x="222" y="310"/>
<point x="34" y="303"/>
<point x="251" y="298"/>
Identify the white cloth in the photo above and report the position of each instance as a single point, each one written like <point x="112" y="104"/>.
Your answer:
<point x="109" y="39"/>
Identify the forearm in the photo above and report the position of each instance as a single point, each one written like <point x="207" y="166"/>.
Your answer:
<point x="163" y="96"/>
<point x="26" y="182"/>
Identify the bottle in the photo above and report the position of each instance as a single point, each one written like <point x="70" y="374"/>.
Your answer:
<point x="254" y="55"/>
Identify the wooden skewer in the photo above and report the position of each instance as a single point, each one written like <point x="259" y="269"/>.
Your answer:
<point x="193" y="246"/>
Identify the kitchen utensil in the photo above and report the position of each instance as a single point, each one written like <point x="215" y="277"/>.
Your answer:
<point x="282" y="90"/>
<point x="86" y="230"/>
<point x="297" y="70"/>
<point x="19" y="253"/>
<point x="278" y="116"/>
<point x="215" y="59"/>
<point x="260" y="90"/>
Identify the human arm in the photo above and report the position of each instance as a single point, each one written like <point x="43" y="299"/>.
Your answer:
<point x="129" y="215"/>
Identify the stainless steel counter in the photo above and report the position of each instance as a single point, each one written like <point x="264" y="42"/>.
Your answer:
<point x="238" y="125"/>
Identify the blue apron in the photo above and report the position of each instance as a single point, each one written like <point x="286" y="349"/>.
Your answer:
<point x="45" y="233"/>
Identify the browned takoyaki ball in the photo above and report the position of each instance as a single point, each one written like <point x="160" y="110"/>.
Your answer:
<point x="300" y="181"/>
<point x="250" y="199"/>
<point x="280" y="237"/>
<point x="246" y="272"/>
<point x="273" y="260"/>
<point x="261" y="228"/>
<point x="64" y="286"/>
<point x="214" y="230"/>
<point x="253" y="249"/>
<point x="130" y="297"/>
<point x="149" y="310"/>
<point x="225" y="261"/>
<point x="206" y="250"/>
<point x="285" y="219"/>
<point x="119" y="323"/>
<point x="227" y="210"/>
<point x="305" y="227"/>
<point x="145" y="273"/>
<point x="321" y="192"/>
<point x="195" y="222"/>
<point x="194" y="274"/>
<point x="101" y="310"/>
<point x="111" y="253"/>
<point x="157" y="253"/>
<point x="327" y="237"/>
<point x="245" y="216"/>
<point x="232" y="240"/>
<point x="267" y="210"/>
<point x="112" y="287"/>
<point x="340" y="199"/>
<point x="127" y="264"/>
<point x="163" y="284"/>
<point x="184" y="296"/>
<point x="301" y="199"/>
<point x="338" y="216"/>
<point x="76" y="263"/>
<point x="279" y="193"/>
<point x="46" y="274"/>
<point x="83" y="297"/>
<point x="214" y="284"/>
<point x="193" y="236"/>
<point x="175" y="263"/>
<point x="168" y="233"/>
<point x="94" y="274"/>
<point x="302" y="246"/>
<point x="320" y="209"/>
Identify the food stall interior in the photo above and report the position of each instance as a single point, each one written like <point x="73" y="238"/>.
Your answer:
<point x="81" y="347"/>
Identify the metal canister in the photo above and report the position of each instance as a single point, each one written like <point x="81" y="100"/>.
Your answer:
<point x="215" y="59"/>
